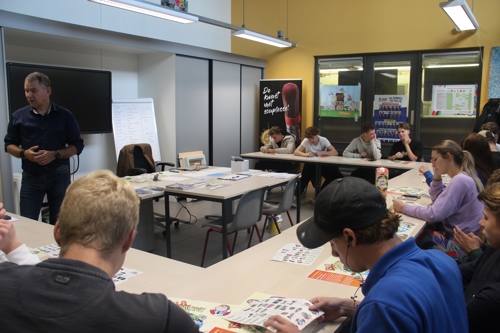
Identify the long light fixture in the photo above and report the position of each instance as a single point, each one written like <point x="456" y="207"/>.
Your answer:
<point x="150" y="9"/>
<point x="460" y="13"/>
<point x="261" y="38"/>
<point x="452" y="66"/>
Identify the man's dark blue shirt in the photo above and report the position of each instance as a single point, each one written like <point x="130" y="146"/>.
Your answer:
<point x="53" y="131"/>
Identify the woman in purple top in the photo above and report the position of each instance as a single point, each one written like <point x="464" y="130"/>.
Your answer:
<point x="454" y="205"/>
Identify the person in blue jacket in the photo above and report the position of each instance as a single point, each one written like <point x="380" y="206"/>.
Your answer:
<point x="407" y="289"/>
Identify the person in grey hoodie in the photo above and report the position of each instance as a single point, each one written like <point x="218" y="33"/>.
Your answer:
<point x="365" y="146"/>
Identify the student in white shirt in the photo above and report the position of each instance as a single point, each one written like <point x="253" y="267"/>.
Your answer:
<point x="316" y="145"/>
<point x="11" y="247"/>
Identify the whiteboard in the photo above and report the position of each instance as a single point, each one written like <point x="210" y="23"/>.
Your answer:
<point x="134" y="121"/>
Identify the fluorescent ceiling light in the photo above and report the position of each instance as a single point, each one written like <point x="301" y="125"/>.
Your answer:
<point x="460" y="13"/>
<point x="334" y="70"/>
<point x="150" y="9"/>
<point x="261" y="38"/>
<point x="403" y="68"/>
<point x="452" y="65"/>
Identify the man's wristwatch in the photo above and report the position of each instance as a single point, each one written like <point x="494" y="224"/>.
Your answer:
<point x="21" y="153"/>
<point x="57" y="155"/>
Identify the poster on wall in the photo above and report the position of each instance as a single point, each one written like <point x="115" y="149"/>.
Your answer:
<point x="280" y="105"/>
<point x="494" y="85"/>
<point x="454" y="100"/>
<point x="340" y="101"/>
<point x="389" y="112"/>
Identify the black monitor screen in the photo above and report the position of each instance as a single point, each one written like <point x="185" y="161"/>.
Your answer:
<point x="86" y="93"/>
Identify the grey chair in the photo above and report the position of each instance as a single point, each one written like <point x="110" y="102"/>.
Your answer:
<point x="248" y="213"/>
<point x="276" y="207"/>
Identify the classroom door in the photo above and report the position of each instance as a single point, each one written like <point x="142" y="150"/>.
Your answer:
<point x="391" y="95"/>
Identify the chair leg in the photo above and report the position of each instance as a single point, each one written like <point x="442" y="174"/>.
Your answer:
<point x="234" y="242"/>
<point x="265" y="223"/>
<point x="289" y="218"/>
<point x="251" y="235"/>
<point x="276" y="224"/>
<point x="205" y="247"/>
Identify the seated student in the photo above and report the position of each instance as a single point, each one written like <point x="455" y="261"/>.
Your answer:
<point x="454" y="205"/>
<point x="75" y="292"/>
<point x="481" y="279"/>
<point x="493" y="128"/>
<point x="351" y="215"/>
<point x="477" y="145"/>
<point x="316" y="145"/>
<point x="406" y="149"/>
<point x="11" y="247"/>
<point x="493" y="145"/>
<point x="366" y="145"/>
<point x="281" y="143"/>
<point x="471" y="243"/>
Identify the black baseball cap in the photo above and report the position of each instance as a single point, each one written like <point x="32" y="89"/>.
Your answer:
<point x="349" y="202"/>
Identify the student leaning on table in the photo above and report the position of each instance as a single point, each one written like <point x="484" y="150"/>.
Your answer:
<point x="11" y="247"/>
<point x="366" y="146"/>
<point x="481" y="278"/>
<point x="453" y="205"/>
<point x="406" y="149"/>
<point x="316" y="145"/>
<point x="75" y="293"/>
<point x="281" y="142"/>
<point x="407" y="289"/>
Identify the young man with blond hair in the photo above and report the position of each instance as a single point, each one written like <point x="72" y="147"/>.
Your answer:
<point x="75" y="292"/>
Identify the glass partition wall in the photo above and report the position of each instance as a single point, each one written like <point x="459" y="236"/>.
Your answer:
<point x="436" y="92"/>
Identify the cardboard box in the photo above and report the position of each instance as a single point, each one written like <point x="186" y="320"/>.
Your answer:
<point x="239" y="166"/>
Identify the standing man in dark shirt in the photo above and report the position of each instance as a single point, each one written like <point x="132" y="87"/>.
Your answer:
<point x="44" y="135"/>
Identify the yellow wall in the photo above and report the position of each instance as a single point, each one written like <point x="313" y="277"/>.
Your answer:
<point x="330" y="27"/>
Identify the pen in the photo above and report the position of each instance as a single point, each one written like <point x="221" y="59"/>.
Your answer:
<point x="412" y="196"/>
<point x="171" y="170"/>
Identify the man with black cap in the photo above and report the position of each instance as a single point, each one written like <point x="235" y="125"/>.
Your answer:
<point x="407" y="289"/>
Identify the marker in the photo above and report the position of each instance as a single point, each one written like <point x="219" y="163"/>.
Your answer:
<point x="171" y="170"/>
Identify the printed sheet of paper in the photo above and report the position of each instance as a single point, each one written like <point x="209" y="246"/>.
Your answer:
<point x="332" y="270"/>
<point x="405" y="229"/>
<point x="209" y="316"/>
<point x="297" y="254"/>
<point x="402" y="190"/>
<point x="148" y="190"/>
<point x="52" y="251"/>
<point x="295" y="310"/>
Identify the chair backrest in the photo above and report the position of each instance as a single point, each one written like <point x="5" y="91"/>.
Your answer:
<point x="140" y="160"/>
<point x="126" y="159"/>
<point x="249" y="210"/>
<point x="288" y="193"/>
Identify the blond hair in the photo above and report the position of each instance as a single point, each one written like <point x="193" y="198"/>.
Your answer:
<point x="99" y="211"/>
<point x="461" y="157"/>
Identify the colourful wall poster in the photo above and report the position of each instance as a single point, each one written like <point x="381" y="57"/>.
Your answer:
<point x="389" y="112"/>
<point x="494" y="85"/>
<point x="454" y="100"/>
<point x="340" y="101"/>
<point x="280" y="105"/>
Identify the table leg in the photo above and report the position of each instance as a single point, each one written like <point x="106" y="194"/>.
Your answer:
<point x="168" y="241"/>
<point x="317" y="180"/>
<point x="297" y="195"/>
<point x="227" y="210"/>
